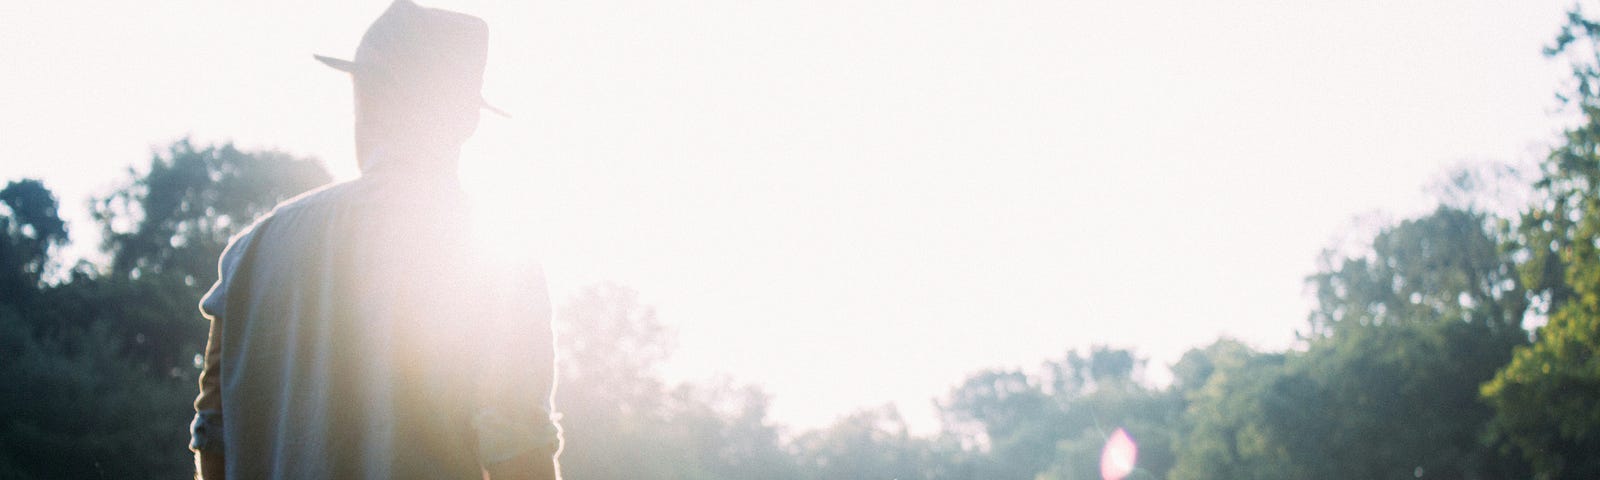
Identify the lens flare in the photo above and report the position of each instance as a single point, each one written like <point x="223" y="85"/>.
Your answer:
<point x="1118" y="457"/>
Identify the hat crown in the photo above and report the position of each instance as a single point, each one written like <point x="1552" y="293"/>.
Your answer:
<point x="427" y="51"/>
<point x="414" y="44"/>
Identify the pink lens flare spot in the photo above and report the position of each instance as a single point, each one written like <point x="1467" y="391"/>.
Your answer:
<point x="1117" y="459"/>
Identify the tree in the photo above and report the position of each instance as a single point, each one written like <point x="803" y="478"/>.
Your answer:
<point x="75" y="407"/>
<point x="1407" y="333"/>
<point x="1051" y="424"/>
<point x="1149" y="415"/>
<point x="1547" y="400"/>
<point x="1450" y="264"/>
<point x="871" y="443"/>
<point x="610" y="397"/>
<point x="724" y="433"/>
<point x="1401" y="338"/>
<point x="99" y="366"/>
<point x="1386" y="387"/>
<point x="29" y="228"/>
<point x="1389" y="401"/>
<point x="1227" y="387"/>
<point x="175" y="218"/>
<point x="165" y="227"/>
<point x="621" y="419"/>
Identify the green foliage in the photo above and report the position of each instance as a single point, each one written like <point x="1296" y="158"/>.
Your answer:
<point x="724" y="432"/>
<point x="75" y="407"/>
<point x="78" y="402"/>
<point x="174" y="218"/>
<point x="1228" y="388"/>
<point x="1433" y="312"/>
<point x="1051" y="424"/>
<point x="100" y="368"/>
<point x="1387" y="400"/>
<point x="1149" y="416"/>
<point x="165" y="229"/>
<point x="610" y="402"/>
<point x="29" y="227"/>
<point x="871" y="443"/>
<point x="623" y="422"/>
<point x="1447" y="265"/>
<point x="1401" y="338"/>
<point x="1547" y="400"/>
<point x="1386" y="388"/>
<point x="1008" y="418"/>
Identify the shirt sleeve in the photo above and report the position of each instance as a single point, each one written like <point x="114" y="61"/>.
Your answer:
<point x="515" y="415"/>
<point x="205" y="431"/>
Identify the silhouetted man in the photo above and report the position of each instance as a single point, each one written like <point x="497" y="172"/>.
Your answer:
<point x="355" y="331"/>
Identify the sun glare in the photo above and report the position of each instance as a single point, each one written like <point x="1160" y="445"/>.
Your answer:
<point x="1119" y="456"/>
<point x="496" y="173"/>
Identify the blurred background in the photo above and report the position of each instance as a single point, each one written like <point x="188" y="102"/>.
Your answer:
<point x="888" y="239"/>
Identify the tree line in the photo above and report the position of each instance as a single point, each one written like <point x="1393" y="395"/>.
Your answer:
<point x="1417" y="360"/>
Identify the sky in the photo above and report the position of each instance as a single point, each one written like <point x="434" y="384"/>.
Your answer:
<point x="852" y="203"/>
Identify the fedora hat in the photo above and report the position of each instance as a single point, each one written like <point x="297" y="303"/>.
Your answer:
<point x="420" y="45"/>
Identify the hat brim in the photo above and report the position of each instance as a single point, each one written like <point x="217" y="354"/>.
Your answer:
<point x="352" y="67"/>
<point x="337" y="64"/>
<point x="497" y="111"/>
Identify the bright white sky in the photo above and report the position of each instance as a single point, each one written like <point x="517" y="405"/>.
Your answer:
<point x="860" y="202"/>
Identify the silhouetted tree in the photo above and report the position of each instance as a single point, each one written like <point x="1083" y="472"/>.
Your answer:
<point x="29" y="228"/>
<point x="1051" y="424"/>
<point x="871" y="443"/>
<point x="1547" y="400"/>
<point x="1447" y="265"/>
<point x="165" y="226"/>
<point x="623" y="422"/>
<point x="1401" y="337"/>
<point x="174" y="218"/>
<point x="99" y="366"/>
<point x="1226" y="386"/>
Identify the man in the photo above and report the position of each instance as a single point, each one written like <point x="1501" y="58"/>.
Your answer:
<point x="355" y="331"/>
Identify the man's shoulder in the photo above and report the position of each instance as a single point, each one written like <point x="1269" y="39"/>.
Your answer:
<point x="329" y="194"/>
<point x="321" y="207"/>
<point x="297" y="205"/>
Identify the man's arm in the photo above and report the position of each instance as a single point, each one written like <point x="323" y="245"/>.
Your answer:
<point x="517" y="436"/>
<point x="206" y="431"/>
<point x="533" y="465"/>
<point x="211" y="466"/>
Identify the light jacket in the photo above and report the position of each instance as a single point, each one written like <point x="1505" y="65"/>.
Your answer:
<point x="358" y="332"/>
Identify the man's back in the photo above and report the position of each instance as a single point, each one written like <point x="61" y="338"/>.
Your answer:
<point x="355" y="333"/>
<point x="350" y="337"/>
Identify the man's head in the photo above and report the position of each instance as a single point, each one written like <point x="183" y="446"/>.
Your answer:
<point x="417" y="74"/>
